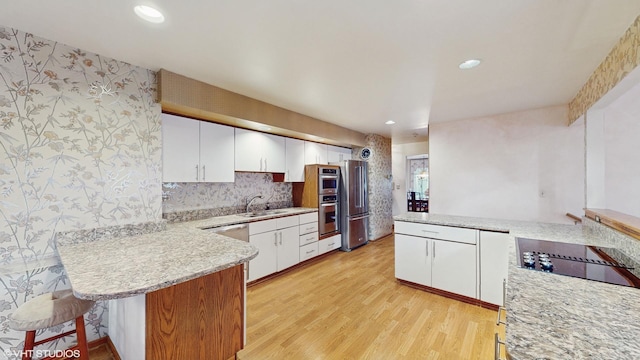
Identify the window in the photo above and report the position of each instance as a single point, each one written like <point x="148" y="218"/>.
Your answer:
<point x="418" y="176"/>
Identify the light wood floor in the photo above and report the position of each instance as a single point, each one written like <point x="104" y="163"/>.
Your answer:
<point x="349" y="306"/>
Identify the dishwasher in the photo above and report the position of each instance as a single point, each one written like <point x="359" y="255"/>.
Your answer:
<point x="238" y="232"/>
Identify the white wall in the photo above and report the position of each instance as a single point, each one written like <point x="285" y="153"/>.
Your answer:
<point x="399" y="153"/>
<point x="622" y="153"/>
<point x="525" y="165"/>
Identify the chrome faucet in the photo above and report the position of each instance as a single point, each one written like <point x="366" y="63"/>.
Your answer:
<point x="251" y="201"/>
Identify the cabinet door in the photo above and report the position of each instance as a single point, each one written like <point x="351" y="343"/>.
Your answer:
<point x="274" y="153"/>
<point x="180" y="149"/>
<point x="315" y="153"/>
<point x="494" y="265"/>
<point x="248" y="150"/>
<point x="266" y="262"/>
<point x="288" y="247"/>
<point x="413" y="259"/>
<point x="295" y="160"/>
<point x="216" y="152"/>
<point x="337" y="154"/>
<point x="454" y="267"/>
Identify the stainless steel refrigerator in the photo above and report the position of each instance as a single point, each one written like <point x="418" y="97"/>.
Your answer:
<point x="354" y="204"/>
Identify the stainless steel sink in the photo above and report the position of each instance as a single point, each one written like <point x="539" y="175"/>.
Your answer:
<point x="263" y="213"/>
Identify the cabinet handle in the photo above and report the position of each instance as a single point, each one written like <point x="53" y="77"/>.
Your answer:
<point x="309" y="252"/>
<point x="431" y="232"/>
<point x="275" y="239"/>
<point x="504" y="292"/>
<point x="427" y="248"/>
<point x="197" y="173"/>
<point x="498" y="342"/>
<point x="499" y="318"/>
<point x="203" y="174"/>
<point x="265" y="164"/>
<point x="333" y="243"/>
<point x="434" y="249"/>
<point x="280" y="237"/>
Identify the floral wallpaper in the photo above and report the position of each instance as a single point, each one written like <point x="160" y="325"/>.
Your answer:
<point x="380" y="185"/>
<point x="80" y="148"/>
<point x="192" y="201"/>
<point x="624" y="57"/>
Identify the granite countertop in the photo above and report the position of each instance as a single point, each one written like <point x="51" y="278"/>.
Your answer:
<point x="559" y="317"/>
<point x="123" y="266"/>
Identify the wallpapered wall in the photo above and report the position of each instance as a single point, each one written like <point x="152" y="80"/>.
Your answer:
<point x="380" y="185"/>
<point x="624" y="57"/>
<point x="228" y="198"/>
<point x="80" y="147"/>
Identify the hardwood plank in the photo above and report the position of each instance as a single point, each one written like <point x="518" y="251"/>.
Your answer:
<point x="197" y="319"/>
<point x="350" y="306"/>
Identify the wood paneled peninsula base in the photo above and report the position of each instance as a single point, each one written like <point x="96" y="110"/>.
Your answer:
<point x="176" y="294"/>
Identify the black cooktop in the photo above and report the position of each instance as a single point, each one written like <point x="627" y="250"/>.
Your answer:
<point x="590" y="262"/>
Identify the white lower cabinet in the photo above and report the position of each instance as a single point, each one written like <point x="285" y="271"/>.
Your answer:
<point x="412" y="259"/>
<point x="266" y="262"/>
<point x="330" y="243"/>
<point x="454" y="267"/>
<point x="288" y="246"/>
<point x="494" y="265"/>
<point x="308" y="251"/>
<point x="448" y="263"/>
<point x="278" y="243"/>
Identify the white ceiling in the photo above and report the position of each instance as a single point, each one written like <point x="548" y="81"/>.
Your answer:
<point x="355" y="63"/>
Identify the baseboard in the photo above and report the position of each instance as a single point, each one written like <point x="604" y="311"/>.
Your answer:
<point x="112" y="348"/>
<point x="450" y="295"/>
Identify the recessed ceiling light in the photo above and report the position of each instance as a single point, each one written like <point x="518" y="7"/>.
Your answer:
<point x="149" y="14"/>
<point x="390" y="122"/>
<point x="469" y="64"/>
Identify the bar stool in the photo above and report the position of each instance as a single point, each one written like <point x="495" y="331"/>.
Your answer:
<point x="49" y="310"/>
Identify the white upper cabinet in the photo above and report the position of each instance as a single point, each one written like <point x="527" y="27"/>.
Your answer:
<point x="336" y="154"/>
<point x="196" y="151"/>
<point x="295" y="160"/>
<point x="216" y="153"/>
<point x="315" y="153"/>
<point x="259" y="152"/>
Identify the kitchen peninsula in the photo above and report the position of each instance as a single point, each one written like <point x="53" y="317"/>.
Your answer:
<point x="188" y="283"/>
<point x="558" y="317"/>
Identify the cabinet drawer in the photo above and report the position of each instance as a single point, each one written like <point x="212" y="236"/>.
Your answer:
<point x="262" y="226"/>
<point x="308" y="217"/>
<point x="287" y="221"/>
<point x="450" y="233"/>
<point x="328" y="244"/>
<point x="309" y="228"/>
<point x="308" y="251"/>
<point x="308" y="238"/>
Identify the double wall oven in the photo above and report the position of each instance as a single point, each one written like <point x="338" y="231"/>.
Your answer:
<point x="328" y="200"/>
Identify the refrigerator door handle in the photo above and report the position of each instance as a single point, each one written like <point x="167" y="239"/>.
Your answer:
<point x="359" y="218"/>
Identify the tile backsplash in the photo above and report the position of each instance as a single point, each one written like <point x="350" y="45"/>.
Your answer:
<point x="190" y="201"/>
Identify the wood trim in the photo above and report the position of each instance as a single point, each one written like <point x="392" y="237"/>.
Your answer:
<point x="625" y="223"/>
<point x="184" y="96"/>
<point x="197" y="319"/>
<point x="575" y="218"/>
<point x="450" y="295"/>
